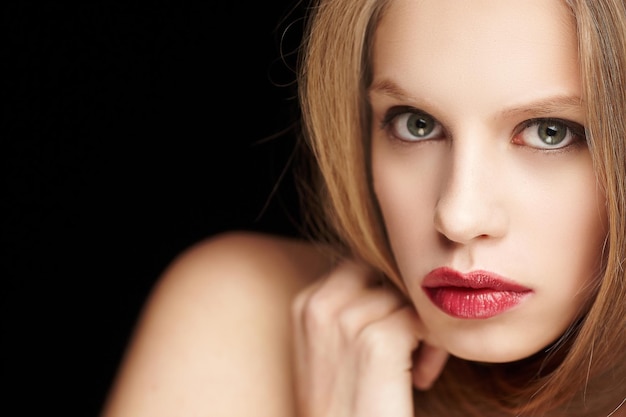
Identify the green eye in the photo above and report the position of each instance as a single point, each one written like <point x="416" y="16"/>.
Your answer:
<point x="420" y="124"/>
<point x="551" y="132"/>
<point x="411" y="125"/>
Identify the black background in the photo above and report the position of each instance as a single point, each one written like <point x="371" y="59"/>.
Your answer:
<point x="130" y="131"/>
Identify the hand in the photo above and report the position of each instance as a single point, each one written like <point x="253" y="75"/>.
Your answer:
<point x="356" y="348"/>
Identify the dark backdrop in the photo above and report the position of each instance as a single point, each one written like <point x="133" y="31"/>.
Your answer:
<point x="130" y="131"/>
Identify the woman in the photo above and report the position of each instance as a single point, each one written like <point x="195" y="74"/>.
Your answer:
<point x="472" y="159"/>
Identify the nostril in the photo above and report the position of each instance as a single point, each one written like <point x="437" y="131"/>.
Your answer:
<point x="462" y="219"/>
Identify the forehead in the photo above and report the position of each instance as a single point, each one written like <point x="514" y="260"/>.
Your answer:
<point x="498" y="43"/>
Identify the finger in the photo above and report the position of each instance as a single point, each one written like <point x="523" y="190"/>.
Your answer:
<point x="391" y="340"/>
<point x="345" y="278"/>
<point x="372" y="305"/>
<point x="319" y="305"/>
<point x="384" y="371"/>
<point x="428" y="363"/>
<point x="350" y="275"/>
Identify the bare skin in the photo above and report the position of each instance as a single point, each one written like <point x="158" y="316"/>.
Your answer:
<point x="218" y="333"/>
<point x="245" y="324"/>
<point x="214" y="338"/>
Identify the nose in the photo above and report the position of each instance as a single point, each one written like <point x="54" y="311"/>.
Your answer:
<point x="470" y="203"/>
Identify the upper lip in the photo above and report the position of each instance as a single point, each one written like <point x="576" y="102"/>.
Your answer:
<point x="478" y="279"/>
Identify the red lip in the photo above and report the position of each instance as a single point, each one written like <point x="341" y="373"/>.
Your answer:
<point x="474" y="295"/>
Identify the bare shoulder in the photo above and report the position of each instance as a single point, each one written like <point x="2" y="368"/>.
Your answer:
<point x="214" y="338"/>
<point x="250" y="264"/>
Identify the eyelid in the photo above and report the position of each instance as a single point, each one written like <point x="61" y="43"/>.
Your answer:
<point x="576" y="128"/>
<point x="576" y="132"/>
<point x="392" y="114"/>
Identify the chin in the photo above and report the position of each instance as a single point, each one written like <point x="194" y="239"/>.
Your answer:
<point x="492" y="356"/>
<point x="491" y="346"/>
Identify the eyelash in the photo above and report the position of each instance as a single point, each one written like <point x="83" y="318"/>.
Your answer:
<point x="575" y="131"/>
<point x="574" y="134"/>
<point x="392" y="115"/>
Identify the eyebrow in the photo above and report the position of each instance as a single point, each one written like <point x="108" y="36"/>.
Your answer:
<point x="546" y="106"/>
<point x="542" y="107"/>
<point x="389" y="88"/>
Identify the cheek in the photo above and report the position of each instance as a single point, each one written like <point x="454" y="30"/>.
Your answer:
<point x="399" y="202"/>
<point x="565" y="210"/>
<point x="567" y="235"/>
<point x="406" y="192"/>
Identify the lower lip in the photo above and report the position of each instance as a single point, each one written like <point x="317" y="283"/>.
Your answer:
<point x="474" y="303"/>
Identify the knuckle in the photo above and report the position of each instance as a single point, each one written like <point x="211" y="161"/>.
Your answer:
<point x="349" y="322"/>
<point x="374" y="341"/>
<point x="315" y="312"/>
<point x="298" y="303"/>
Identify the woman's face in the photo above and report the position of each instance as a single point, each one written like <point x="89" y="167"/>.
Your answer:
<point x="482" y="172"/>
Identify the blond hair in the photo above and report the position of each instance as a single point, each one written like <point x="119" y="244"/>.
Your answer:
<point x="585" y="372"/>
